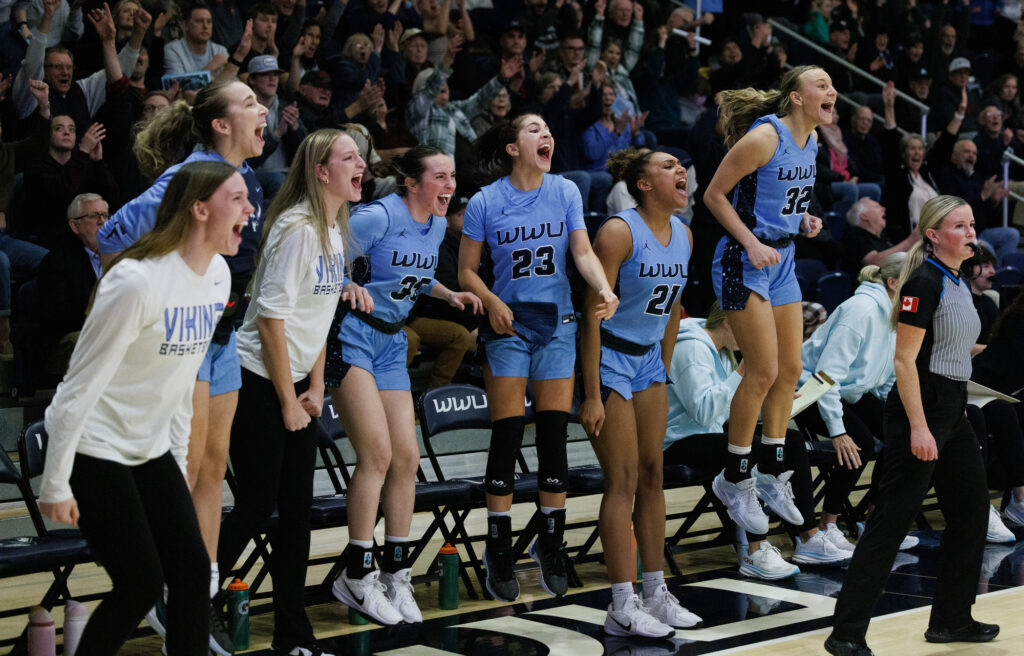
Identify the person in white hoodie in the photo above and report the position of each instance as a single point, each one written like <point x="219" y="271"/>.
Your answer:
<point x="119" y="423"/>
<point x="282" y="345"/>
<point x="705" y="376"/>
<point x="855" y="348"/>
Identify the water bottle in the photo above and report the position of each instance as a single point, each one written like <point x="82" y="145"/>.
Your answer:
<point x="238" y="613"/>
<point x="75" y="617"/>
<point x="448" y="577"/>
<point x="42" y="634"/>
<point x="355" y="618"/>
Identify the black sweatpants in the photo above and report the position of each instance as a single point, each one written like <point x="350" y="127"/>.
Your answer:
<point x="708" y="451"/>
<point x="140" y="524"/>
<point x="1004" y="446"/>
<point x="863" y="421"/>
<point x="959" y="479"/>
<point x="273" y="468"/>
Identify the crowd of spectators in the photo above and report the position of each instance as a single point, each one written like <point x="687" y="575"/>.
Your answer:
<point x="79" y="78"/>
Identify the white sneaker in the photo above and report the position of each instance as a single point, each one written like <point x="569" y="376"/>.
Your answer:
<point x="909" y="541"/>
<point x="740" y="500"/>
<point x="366" y="595"/>
<point x="777" y="494"/>
<point x="312" y="650"/>
<point x="400" y="593"/>
<point x="818" y="550"/>
<point x="766" y="563"/>
<point x="997" y="531"/>
<point x="837" y="538"/>
<point x="635" y="620"/>
<point x="664" y="607"/>
<point x="1014" y="513"/>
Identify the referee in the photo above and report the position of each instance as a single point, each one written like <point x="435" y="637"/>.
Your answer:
<point x="928" y="440"/>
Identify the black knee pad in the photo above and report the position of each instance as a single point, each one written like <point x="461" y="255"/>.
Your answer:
<point x="506" y="440"/>
<point x="552" y="462"/>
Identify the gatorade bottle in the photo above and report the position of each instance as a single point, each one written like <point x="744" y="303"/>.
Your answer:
<point x="42" y="634"/>
<point x="75" y="617"/>
<point x="238" y="613"/>
<point x="448" y="577"/>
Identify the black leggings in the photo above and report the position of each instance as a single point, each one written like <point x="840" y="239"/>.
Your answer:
<point x="273" y="468"/>
<point x="863" y="421"/>
<point x="140" y="524"/>
<point x="959" y="480"/>
<point x="708" y="451"/>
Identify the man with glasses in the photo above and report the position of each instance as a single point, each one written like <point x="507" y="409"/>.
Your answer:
<point x="79" y="99"/>
<point x="66" y="279"/>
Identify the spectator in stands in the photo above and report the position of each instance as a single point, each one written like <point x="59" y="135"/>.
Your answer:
<point x="361" y="17"/>
<point x="911" y="59"/>
<point x="195" y="51"/>
<point x="368" y="379"/>
<point x="305" y="52"/>
<point x="863" y="148"/>
<point x="991" y="140"/>
<point x="66" y="279"/>
<point x="524" y="195"/>
<point x="919" y="86"/>
<point x="909" y="176"/>
<point x="545" y="20"/>
<point x="816" y="27"/>
<point x="1003" y="93"/>
<point x="118" y="425"/>
<point x="960" y="178"/>
<point x="434" y="119"/>
<point x="359" y="65"/>
<point x="228" y="21"/>
<point x="624" y="17"/>
<point x="391" y="138"/>
<point x="449" y="330"/>
<point x="618" y="74"/>
<point x="298" y="284"/>
<point x="625" y="366"/>
<point x="67" y="23"/>
<point x="979" y="271"/>
<point x="705" y="378"/>
<point x="947" y="102"/>
<point x="569" y="62"/>
<point x="314" y="101"/>
<point x="598" y="42"/>
<point x="759" y="69"/>
<point x="291" y="14"/>
<point x="843" y="46"/>
<point x="865" y="242"/>
<point x="610" y="134"/>
<point x="838" y="171"/>
<point x="55" y="176"/>
<point x="284" y="131"/>
<point x="82" y="98"/>
<point x="262" y="31"/>
<point x="667" y="73"/>
<point x="854" y="348"/>
<point x="947" y="41"/>
<point x="496" y="112"/>
<point x="876" y="58"/>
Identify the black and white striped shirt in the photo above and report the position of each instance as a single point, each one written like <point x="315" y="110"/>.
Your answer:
<point x="936" y="299"/>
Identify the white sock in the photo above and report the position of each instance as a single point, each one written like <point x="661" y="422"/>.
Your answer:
<point x="391" y="538"/>
<point x="496" y="513"/>
<point x="739" y="450"/>
<point x="621" y="592"/>
<point x="652" y="582"/>
<point x="362" y="544"/>
<point x="774" y="441"/>
<point x="547" y="510"/>
<point x="214" y="580"/>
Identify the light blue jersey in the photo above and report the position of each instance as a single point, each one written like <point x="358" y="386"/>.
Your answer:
<point x="402" y="255"/>
<point x="773" y="199"/>
<point x="528" y="234"/>
<point x="650" y="281"/>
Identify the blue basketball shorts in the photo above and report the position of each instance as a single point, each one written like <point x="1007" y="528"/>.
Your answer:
<point x="629" y="374"/>
<point x="513" y="357"/>
<point x="734" y="277"/>
<point x="356" y="344"/>
<point x="221" y="367"/>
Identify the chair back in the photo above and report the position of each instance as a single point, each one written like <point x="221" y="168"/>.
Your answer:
<point x="834" y="288"/>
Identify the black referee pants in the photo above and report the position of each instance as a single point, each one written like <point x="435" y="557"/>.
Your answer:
<point x="959" y="479"/>
<point x="273" y="468"/>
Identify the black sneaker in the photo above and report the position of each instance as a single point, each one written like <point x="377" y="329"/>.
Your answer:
<point x="973" y="632"/>
<point x="220" y="639"/>
<point x="501" y="579"/>
<point x="311" y="649"/>
<point x="551" y="559"/>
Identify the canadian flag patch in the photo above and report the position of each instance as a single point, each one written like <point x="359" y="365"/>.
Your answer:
<point x="909" y="304"/>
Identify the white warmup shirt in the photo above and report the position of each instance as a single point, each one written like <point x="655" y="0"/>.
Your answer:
<point x="127" y="396"/>
<point x="295" y="283"/>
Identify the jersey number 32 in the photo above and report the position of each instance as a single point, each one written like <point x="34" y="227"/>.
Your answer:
<point x="797" y="200"/>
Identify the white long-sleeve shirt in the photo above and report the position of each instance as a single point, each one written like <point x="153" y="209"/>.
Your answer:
<point x="293" y="282"/>
<point x="127" y="396"/>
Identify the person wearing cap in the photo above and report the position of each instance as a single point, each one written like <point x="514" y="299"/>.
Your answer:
<point x="314" y="101"/>
<point x="958" y="79"/>
<point x="841" y="42"/>
<point x="284" y="131"/>
<point x="919" y="86"/>
<point x="434" y="119"/>
<point x="436" y="323"/>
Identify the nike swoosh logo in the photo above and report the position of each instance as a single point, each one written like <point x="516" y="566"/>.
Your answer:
<point x="625" y="627"/>
<point x="359" y="600"/>
<point x="217" y="283"/>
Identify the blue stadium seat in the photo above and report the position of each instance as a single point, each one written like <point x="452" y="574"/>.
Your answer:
<point x="1007" y="275"/>
<point x="808" y="271"/>
<point x="834" y="288"/>
<point x="836" y="225"/>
